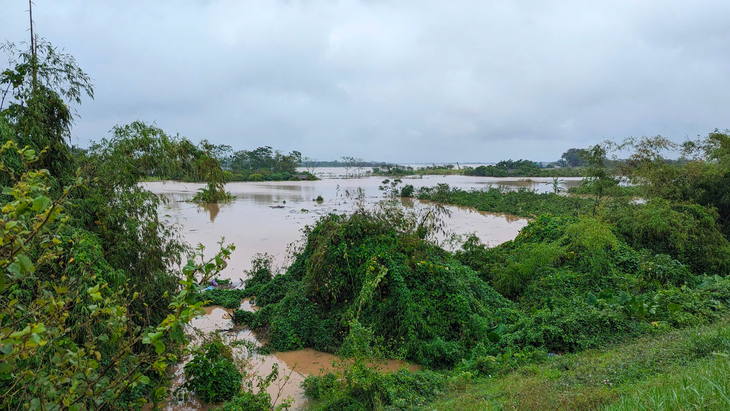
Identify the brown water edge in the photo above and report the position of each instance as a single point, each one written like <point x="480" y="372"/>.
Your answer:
<point x="293" y="366"/>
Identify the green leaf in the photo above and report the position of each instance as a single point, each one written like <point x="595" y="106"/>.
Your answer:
<point x="26" y="266"/>
<point x="21" y="333"/>
<point x="40" y="203"/>
<point x="155" y="336"/>
<point x="159" y="347"/>
<point x="673" y="307"/>
<point x="494" y="337"/>
<point x="14" y="268"/>
<point x="10" y="224"/>
<point x="7" y="349"/>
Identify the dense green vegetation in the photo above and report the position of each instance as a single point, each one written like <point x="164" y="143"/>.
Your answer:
<point x="93" y="308"/>
<point x="211" y="374"/>
<point x="522" y="202"/>
<point x="665" y="371"/>
<point x="586" y="273"/>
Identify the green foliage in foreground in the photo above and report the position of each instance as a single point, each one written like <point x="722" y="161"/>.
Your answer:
<point x="72" y="331"/>
<point x="522" y="202"/>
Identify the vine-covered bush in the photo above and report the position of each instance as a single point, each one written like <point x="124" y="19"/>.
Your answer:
<point x="418" y="301"/>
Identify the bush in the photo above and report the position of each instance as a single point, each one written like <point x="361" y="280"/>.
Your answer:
<point x="407" y="191"/>
<point x="411" y="294"/>
<point x="688" y="233"/>
<point x="255" y="177"/>
<point x="211" y="374"/>
<point x="248" y="401"/>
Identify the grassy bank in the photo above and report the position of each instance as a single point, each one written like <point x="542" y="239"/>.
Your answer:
<point x="674" y="371"/>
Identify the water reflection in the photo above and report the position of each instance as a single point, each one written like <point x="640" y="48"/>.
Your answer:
<point x="212" y="209"/>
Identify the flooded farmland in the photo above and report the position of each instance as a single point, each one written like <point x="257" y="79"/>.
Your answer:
<point x="267" y="217"/>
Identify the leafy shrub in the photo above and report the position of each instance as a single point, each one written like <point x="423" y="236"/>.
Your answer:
<point x="259" y="275"/>
<point x="212" y="375"/>
<point x="210" y="194"/>
<point x="255" y="177"/>
<point x="686" y="232"/>
<point x="248" y="401"/>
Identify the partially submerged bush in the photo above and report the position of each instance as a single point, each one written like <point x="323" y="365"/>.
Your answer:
<point x="211" y="374"/>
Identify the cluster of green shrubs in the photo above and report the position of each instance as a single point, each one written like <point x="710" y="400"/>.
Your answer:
<point x="416" y="298"/>
<point x="522" y="202"/>
<point x="590" y="275"/>
<point x="228" y="298"/>
<point x="213" y="376"/>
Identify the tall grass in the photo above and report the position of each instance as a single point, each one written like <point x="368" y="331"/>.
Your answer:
<point x="702" y="386"/>
<point x="681" y="370"/>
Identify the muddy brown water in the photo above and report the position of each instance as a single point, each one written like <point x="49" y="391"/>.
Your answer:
<point x="253" y="224"/>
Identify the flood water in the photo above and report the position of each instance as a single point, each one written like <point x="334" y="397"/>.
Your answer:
<point x="266" y="217"/>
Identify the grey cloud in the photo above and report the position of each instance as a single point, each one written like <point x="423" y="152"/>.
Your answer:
<point x="418" y="80"/>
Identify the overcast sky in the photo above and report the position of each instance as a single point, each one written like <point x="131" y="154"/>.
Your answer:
<point x="405" y="81"/>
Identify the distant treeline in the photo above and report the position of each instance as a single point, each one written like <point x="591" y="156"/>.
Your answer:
<point x="506" y="168"/>
<point x="260" y="164"/>
<point x="524" y="168"/>
<point x="337" y="163"/>
<point x="263" y="164"/>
